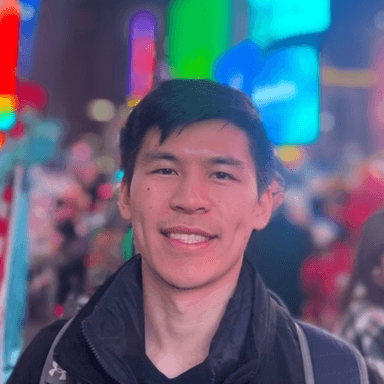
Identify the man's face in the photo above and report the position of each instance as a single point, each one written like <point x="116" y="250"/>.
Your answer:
<point x="193" y="203"/>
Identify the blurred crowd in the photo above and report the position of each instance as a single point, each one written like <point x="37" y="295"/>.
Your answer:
<point x="327" y="265"/>
<point x="323" y="253"/>
<point x="75" y="230"/>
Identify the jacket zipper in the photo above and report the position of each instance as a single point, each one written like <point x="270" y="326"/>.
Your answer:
<point x="98" y="358"/>
<point x="213" y="376"/>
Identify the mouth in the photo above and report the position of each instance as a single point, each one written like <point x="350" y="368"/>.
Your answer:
<point x="187" y="235"/>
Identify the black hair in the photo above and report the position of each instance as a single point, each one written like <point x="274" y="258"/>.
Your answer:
<point x="174" y="104"/>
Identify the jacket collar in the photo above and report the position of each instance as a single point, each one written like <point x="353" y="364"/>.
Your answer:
<point x="113" y="326"/>
<point x="74" y="354"/>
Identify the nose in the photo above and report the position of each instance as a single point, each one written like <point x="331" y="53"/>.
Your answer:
<point x="191" y="195"/>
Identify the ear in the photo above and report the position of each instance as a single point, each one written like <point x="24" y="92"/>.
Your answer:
<point x="278" y="194"/>
<point x="264" y="210"/>
<point x="124" y="201"/>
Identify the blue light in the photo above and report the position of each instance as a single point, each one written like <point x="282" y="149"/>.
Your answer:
<point x="7" y="121"/>
<point x="29" y="19"/>
<point x="284" y="85"/>
<point x="292" y="114"/>
<point x="239" y="66"/>
<point x="118" y="176"/>
<point x="284" y="90"/>
<point x="274" y="20"/>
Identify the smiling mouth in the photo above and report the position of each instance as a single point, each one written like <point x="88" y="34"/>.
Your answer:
<point x="187" y="238"/>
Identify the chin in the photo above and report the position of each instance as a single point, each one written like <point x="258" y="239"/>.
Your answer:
<point x="186" y="282"/>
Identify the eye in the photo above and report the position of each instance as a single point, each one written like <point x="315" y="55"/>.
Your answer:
<point x="165" y="171"/>
<point x="223" y="176"/>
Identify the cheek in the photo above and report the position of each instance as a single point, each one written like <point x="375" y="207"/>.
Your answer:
<point x="240" y="217"/>
<point x="148" y="202"/>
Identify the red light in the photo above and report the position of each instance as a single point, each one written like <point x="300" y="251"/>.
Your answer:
<point x="105" y="191"/>
<point x="3" y="139"/>
<point x="31" y="94"/>
<point x="18" y="131"/>
<point x="8" y="194"/>
<point x="58" y="310"/>
<point x="144" y="55"/>
<point x="9" y="45"/>
<point x="3" y="227"/>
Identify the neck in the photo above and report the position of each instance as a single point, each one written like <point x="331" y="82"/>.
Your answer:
<point x="180" y="323"/>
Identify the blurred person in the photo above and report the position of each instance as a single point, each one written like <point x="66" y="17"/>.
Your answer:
<point x="325" y="273"/>
<point x="347" y="203"/>
<point x="359" y="196"/>
<point x="105" y="255"/>
<point x="84" y="168"/>
<point x="71" y="272"/>
<point x="278" y="264"/>
<point x="188" y="308"/>
<point x="363" y="303"/>
<point x="74" y="247"/>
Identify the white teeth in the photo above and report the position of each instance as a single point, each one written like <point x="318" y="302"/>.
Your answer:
<point x="189" y="239"/>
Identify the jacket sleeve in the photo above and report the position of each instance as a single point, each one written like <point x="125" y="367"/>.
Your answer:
<point x="30" y="364"/>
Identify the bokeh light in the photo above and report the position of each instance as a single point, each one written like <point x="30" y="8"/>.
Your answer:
<point x="9" y="51"/>
<point x="81" y="151"/>
<point x="292" y="156"/>
<point x="9" y="46"/>
<point x="18" y="131"/>
<point x="106" y="164"/>
<point x="105" y="191"/>
<point x="31" y="94"/>
<point x="132" y="103"/>
<point x="27" y="12"/>
<point x="284" y="85"/>
<point x="118" y="176"/>
<point x="198" y="34"/>
<point x="30" y="12"/>
<point x="7" y="119"/>
<point x="3" y="139"/>
<point x="141" y="71"/>
<point x="273" y="20"/>
<point x="101" y="110"/>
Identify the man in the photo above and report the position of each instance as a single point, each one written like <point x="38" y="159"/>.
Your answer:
<point x="188" y="308"/>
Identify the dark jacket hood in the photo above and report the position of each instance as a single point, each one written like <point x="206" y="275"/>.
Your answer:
<point x="255" y="342"/>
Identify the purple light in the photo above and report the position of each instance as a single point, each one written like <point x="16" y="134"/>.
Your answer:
<point x="140" y="76"/>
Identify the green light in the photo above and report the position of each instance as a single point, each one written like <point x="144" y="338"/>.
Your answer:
<point x="127" y="244"/>
<point x="273" y="20"/>
<point x="7" y="120"/>
<point x="198" y="33"/>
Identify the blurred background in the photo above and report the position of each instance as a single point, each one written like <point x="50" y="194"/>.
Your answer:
<point x="72" y="70"/>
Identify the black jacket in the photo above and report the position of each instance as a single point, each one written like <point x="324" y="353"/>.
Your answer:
<point x="256" y="341"/>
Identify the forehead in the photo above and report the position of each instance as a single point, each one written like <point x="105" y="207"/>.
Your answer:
<point x="205" y="139"/>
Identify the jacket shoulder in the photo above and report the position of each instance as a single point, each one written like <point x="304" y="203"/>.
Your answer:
<point x="30" y="364"/>
<point x="332" y="358"/>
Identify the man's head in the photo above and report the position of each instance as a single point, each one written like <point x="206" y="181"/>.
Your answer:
<point x="177" y="103"/>
<point x="191" y="190"/>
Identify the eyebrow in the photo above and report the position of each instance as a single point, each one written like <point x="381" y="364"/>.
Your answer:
<point x="152" y="156"/>
<point x="226" y="160"/>
<point x="217" y="160"/>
